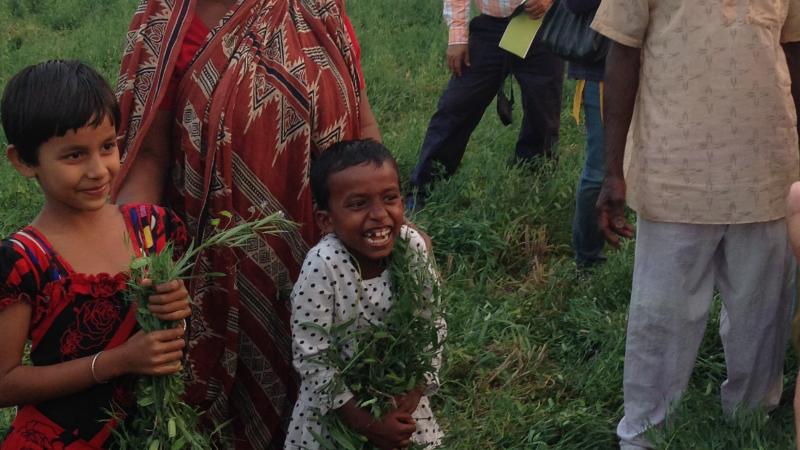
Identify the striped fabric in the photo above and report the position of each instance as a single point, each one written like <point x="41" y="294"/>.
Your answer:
<point x="457" y="14"/>
<point x="275" y="84"/>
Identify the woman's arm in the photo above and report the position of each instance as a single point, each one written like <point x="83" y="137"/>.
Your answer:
<point x="149" y="171"/>
<point x="157" y="353"/>
<point x="369" y="125"/>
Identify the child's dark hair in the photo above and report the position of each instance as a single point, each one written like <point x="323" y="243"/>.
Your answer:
<point x="48" y="99"/>
<point x="340" y="156"/>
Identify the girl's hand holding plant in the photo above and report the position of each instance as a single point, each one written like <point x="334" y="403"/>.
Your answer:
<point x="155" y="353"/>
<point x="163" y="420"/>
<point x="170" y="301"/>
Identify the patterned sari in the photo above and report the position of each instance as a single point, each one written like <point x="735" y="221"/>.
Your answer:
<point x="274" y="85"/>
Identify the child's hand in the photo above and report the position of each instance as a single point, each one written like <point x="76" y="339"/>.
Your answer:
<point x="170" y="302"/>
<point x="409" y="401"/>
<point x="155" y="353"/>
<point x="394" y="430"/>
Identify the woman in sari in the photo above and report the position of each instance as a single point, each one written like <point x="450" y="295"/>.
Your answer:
<point x="224" y="103"/>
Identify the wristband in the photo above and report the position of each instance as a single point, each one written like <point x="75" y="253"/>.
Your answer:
<point x="94" y="375"/>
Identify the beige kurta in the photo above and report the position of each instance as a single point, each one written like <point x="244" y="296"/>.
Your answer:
<point x="713" y="137"/>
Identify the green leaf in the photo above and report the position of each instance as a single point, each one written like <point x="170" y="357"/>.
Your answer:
<point x="226" y="214"/>
<point x="155" y="445"/>
<point x="368" y="402"/>
<point x="178" y="444"/>
<point x="171" y="428"/>
<point x="139" y="263"/>
<point x="342" y="438"/>
<point x="322" y="442"/>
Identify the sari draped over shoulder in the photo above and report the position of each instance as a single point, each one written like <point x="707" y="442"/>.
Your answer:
<point x="275" y="83"/>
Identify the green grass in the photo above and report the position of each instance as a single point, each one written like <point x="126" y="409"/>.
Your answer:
<point x="535" y="352"/>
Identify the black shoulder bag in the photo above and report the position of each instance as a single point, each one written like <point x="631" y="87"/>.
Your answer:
<point x="567" y="35"/>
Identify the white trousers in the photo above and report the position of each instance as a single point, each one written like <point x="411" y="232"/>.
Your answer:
<point x="676" y="268"/>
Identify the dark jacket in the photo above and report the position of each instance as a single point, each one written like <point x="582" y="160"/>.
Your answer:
<point x="578" y="71"/>
<point x="582" y="6"/>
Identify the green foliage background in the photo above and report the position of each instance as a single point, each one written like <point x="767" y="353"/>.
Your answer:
<point x="534" y="356"/>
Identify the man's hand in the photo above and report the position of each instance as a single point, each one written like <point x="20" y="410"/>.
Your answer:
<point x="797" y="409"/>
<point x="793" y="222"/>
<point x="536" y="8"/>
<point x="457" y="58"/>
<point x="611" y="211"/>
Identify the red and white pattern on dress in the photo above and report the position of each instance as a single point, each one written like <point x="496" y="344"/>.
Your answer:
<point x="75" y="315"/>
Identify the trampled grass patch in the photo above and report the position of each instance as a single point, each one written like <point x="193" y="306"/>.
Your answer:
<point x="534" y="355"/>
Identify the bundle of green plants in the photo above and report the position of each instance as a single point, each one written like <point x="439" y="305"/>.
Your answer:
<point x="391" y="357"/>
<point x="162" y="420"/>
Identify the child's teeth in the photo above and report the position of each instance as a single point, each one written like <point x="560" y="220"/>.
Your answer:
<point x="379" y="235"/>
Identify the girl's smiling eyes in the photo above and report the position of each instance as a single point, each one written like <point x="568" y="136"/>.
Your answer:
<point x="73" y="155"/>
<point x="110" y="146"/>
<point x="76" y="154"/>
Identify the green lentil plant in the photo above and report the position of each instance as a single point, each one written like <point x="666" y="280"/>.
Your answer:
<point x="391" y="357"/>
<point x="162" y="420"/>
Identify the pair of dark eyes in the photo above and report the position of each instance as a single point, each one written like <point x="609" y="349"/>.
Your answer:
<point x="359" y="203"/>
<point x="107" y="148"/>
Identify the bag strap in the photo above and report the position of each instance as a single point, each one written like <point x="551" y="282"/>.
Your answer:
<point x="505" y="105"/>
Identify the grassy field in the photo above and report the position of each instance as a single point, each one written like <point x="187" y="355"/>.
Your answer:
<point x="535" y="352"/>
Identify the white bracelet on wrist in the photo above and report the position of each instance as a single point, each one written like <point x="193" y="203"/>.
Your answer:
<point x="94" y="374"/>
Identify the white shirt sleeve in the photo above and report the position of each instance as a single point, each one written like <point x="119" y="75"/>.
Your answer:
<point x="313" y="300"/>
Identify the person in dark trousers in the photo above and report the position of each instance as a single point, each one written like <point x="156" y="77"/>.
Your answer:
<point x="587" y="240"/>
<point x="479" y="67"/>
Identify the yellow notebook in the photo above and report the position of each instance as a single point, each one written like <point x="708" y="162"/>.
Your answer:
<point x="519" y="34"/>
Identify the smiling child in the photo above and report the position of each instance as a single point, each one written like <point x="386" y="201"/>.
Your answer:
<point x="63" y="277"/>
<point x="344" y="279"/>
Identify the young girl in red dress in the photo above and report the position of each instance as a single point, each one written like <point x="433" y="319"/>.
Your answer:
<point x="62" y="278"/>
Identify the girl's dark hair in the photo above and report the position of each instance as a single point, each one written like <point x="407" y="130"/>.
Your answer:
<point x="48" y="99"/>
<point x="340" y="156"/>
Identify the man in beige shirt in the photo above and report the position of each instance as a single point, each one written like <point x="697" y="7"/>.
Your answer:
<point x="699" y="108"/>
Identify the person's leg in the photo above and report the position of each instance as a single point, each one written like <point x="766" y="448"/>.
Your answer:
<point x="673" y="283"/>
<point x="587" y="240"/>
<point x="756" y="281"/>
<point x="462" y="104"/>
<point x="540" y="78"/>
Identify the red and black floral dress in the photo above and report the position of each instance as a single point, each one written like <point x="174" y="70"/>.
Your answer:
<point x="76" y="315"/>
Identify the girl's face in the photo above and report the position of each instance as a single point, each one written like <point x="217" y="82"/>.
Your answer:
<point x="75" y="171"/>
<point x="365" y="211"/>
